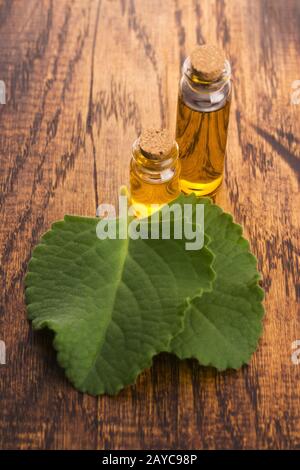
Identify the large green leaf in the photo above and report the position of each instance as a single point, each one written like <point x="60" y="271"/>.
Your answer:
<point x="112" y="304"/>
<point x="222" y="327"/>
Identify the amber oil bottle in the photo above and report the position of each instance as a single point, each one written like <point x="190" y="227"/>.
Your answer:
<point x="202" y="119"/>
<point x="154" y="170"/>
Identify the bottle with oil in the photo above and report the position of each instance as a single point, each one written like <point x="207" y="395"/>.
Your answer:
<point x="202" y="119"/>
<point x="154" y="171"/>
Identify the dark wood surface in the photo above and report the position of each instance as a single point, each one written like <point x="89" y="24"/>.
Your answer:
<point x="82" y="79"/>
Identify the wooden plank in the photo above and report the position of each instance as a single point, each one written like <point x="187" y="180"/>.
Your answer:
<point x="82" y="79"/>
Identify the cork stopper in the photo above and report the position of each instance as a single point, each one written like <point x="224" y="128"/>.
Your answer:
<point x="157" y="142"/>
<point x="208" y="61"/>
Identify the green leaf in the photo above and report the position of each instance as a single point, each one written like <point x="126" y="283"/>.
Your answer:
<point x="112" y="304"/>
<point x="222" y="327"/>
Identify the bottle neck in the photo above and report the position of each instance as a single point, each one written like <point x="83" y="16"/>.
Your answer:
<point x="154" y="167"/>
<point x="202" y="95"/>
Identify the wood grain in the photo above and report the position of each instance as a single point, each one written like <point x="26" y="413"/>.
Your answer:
<point x="83" y="78"/>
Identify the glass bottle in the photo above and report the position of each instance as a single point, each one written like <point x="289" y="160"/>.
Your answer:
<point x="154" y="170"/>
<point x="202" y="119"/>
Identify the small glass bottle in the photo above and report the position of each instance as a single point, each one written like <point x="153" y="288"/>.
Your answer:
<point x="202" y="119"/>
<point x="154" y="170"/>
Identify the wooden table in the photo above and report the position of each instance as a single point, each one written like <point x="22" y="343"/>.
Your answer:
<point x="82" y="79"/>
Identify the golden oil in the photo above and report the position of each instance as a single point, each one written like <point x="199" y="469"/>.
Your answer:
<point x="154" y="171"/>
<point x="202" y="120"/>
